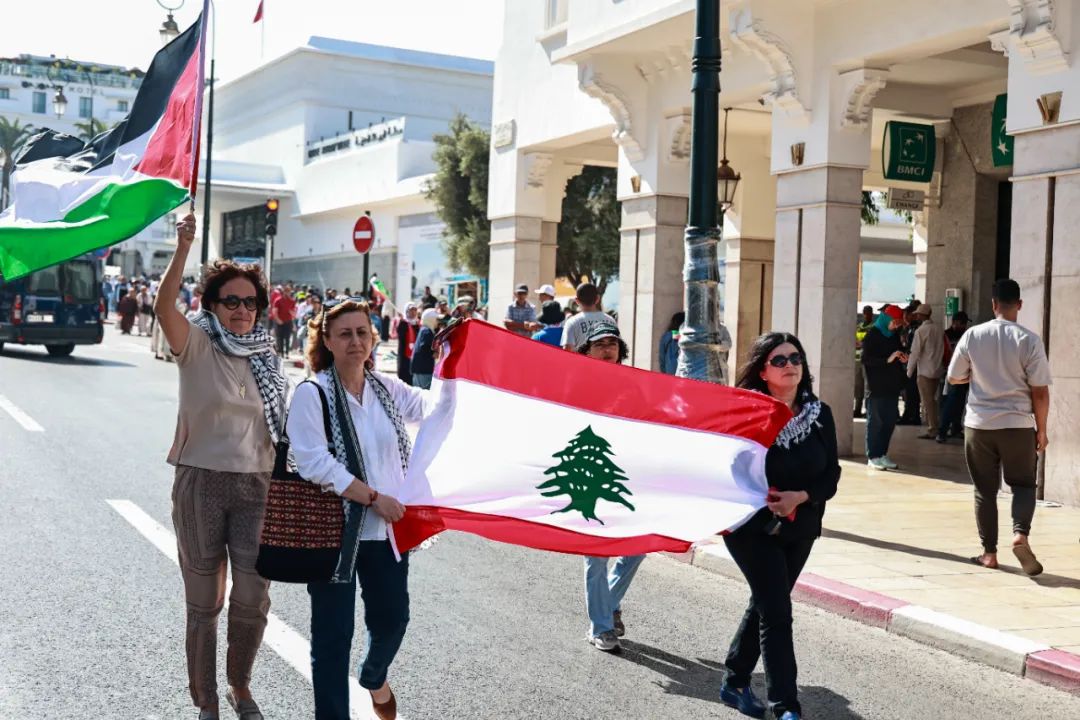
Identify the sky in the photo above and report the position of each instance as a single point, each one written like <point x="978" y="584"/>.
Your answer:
<point x="125" y="32"/>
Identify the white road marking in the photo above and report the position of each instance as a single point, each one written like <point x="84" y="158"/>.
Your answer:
<point x="19" y="416"/>
<point x="282" y="639"/>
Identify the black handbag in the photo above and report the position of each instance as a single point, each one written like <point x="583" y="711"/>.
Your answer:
<point x="301" y="534"/>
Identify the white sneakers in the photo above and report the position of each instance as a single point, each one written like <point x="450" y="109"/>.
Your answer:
<point x="606" y="641"/>
<point x="881" y="463"/>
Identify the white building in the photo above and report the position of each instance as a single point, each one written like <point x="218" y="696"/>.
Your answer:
<point x="335" y="129"/>
<point x="104" y="93"/>
<point x="812" y="84"/>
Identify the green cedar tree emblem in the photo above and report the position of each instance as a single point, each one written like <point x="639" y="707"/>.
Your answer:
<point x="586" y="473"/>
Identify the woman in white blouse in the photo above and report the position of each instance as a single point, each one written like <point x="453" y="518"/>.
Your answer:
<point x="364" y="461"/>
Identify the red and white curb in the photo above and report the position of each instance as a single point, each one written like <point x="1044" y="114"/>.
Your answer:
<point x="980" y="643"/>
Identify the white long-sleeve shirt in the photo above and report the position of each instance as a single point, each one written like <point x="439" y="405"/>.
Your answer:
<point x="927" y="351"/>
<point x="374" y="430"/>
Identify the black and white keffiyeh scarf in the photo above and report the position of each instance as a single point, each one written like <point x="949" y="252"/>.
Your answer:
<point x="258" y="347"/>
<point x="799" y="427"/>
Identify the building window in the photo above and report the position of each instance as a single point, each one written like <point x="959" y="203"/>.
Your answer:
<point x="556" y="13"/>
<point x="86" y="107"/>
<point x="122" y="105"/>
<point x="5" y="94"/>
<point x="39" y="103"/>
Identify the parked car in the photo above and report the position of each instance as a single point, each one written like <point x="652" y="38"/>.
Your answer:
<point x="58" y="307"/>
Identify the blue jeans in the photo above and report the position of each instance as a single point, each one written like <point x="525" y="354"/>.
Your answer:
<point x="952" y="411"/>
<point x="422" y="380"/>
<point x="881" y="416"/>
<point x="384" y="589"/>
<point x="604" y="592"/>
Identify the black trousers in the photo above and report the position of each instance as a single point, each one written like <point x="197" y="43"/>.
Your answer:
<point x="283" y="337"/>
<point x="771" y="565"/>
<point x="995" y="454"/>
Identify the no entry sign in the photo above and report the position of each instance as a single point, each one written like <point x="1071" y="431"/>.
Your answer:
<point x="363" y="234"/>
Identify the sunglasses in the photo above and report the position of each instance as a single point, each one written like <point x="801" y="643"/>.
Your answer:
<point x="781" y="361"/>
<point x="233" y="301"/>
<point x="329" y="304"/>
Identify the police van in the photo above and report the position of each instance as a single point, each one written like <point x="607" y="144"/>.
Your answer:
<point x="58" y="307"/>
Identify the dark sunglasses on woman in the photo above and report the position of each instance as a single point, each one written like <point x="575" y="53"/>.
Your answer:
<point x="233" y="301"/>
<point x="781" y="361"/>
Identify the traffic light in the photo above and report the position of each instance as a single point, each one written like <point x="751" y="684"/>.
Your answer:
<point x="271" y="217"/>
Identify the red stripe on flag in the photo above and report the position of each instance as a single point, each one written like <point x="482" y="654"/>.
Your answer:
<point x="258" y="13"/>
<point x="423" y="521"/>
<point x="485" y="354"/>
<point x="170" y="151"/>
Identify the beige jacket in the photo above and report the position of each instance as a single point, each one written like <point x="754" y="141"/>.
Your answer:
<point x="927" y="351"/>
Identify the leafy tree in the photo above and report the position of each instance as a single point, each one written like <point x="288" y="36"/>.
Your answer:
<point x="459" y="191"/>
<point x="870" y="210"/>
<point x="90" y="129"/>
<point x="589" y="228"/>
<point x="12" y="137"/>
<point x="586" y="473"/>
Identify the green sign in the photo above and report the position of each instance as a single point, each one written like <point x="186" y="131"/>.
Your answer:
<point x="907" y="152"/>
<point x="1001" y="142"/>
<point x="952" y="305"/>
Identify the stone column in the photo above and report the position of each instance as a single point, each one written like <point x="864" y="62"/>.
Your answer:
<point x="650" y="272"/>
<point x="815" y="275"/>
<point x="748" y="305"/>
<point x="1045" y="260"/>
<point x="517" y="248"/>
<point x="549" y="246"/>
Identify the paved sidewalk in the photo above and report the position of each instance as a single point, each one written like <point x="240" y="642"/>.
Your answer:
<point x="896" y="551"/>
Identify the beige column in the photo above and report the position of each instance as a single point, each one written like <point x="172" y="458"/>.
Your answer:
<point x="815" y="275"/>
<point x="650" y="272"/>
<point x="517" y="250"/>
<point x="1045" y="260"/>
<point x="748" y="302"/>
<point x="549" y="246"/>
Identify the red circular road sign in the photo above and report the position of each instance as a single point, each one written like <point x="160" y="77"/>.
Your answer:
<point x="363" y="234"/>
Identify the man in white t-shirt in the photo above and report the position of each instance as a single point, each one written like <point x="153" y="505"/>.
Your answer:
<point x="1005" y="367"/>
<point x="577" y="328"/>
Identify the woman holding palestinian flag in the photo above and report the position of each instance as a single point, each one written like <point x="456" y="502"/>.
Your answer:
<point x="230" y="416"/>
<point x="771" y="548"/>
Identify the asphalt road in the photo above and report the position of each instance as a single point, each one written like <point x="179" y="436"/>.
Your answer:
<point x="91" y="611"/>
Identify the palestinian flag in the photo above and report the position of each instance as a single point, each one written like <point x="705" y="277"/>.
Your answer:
<point x="378" y="289"/>
<point x="72" y="197"/>
<point x="581" y="456"/>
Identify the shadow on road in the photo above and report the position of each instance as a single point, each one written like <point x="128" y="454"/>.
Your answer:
<point x="1046" y="579"/>
<point x="701" y="679"/>
<point x="42" y="357"/>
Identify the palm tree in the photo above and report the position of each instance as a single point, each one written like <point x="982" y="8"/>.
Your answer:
<point x="12" y="137"/>
<point x="90" y="129"/>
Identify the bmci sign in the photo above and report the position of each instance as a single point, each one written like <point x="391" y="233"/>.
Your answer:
<point x="908" y="151"/>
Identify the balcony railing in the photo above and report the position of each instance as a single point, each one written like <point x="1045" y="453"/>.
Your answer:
<point x="364" y="137"/>
<point x="27" y="71"/>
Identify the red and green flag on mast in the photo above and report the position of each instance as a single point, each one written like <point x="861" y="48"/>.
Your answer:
<point x="71" y="197"/>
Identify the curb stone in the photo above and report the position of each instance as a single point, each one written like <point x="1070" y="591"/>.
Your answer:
<point x="973" y="641"/>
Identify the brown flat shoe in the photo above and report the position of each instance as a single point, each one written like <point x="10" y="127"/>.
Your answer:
<point x="386" y="710"/>
<point x="1027" y="559"/>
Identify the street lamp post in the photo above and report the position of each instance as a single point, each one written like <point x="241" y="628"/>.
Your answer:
<point x="59" y="102"/>
<point x="700" y="356"/>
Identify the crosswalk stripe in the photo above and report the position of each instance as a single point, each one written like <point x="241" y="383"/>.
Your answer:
<point x="282" y="639"/>
<point x="19" y="416"/>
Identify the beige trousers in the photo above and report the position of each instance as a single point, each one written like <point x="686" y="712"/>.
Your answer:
<point x="219" y="516"/>
<point x="930" y="394"/>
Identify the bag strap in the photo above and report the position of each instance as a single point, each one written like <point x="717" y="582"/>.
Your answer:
<point x="325" y="417"/>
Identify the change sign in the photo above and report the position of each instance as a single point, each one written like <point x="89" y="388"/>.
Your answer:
<point x="907" y="152"/>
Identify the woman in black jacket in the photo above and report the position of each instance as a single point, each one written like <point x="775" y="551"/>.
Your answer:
<point x="803" y="469"/>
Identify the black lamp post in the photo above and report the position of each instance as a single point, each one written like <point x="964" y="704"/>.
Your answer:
<point x="59" y="102"/>
<point x="700" y="356"/>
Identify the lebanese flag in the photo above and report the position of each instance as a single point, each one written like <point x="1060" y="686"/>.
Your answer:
<point x="531" y="445"/>
<point x="72" y="197"/>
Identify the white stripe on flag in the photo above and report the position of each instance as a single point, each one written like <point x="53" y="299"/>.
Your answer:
<point x="686" y="484"/>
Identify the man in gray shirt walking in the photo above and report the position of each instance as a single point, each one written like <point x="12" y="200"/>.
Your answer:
<point x="1006" y="369"/>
